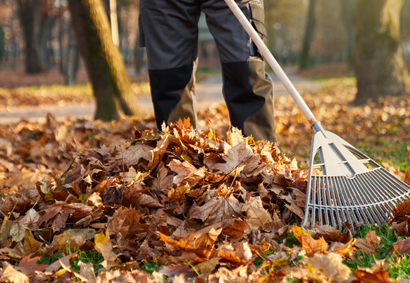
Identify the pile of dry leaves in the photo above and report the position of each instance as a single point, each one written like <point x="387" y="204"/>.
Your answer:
<point x="201" y="208"/>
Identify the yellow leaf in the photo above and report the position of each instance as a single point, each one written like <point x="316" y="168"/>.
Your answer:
<point x="299" y="232"/>
<point x="104" y="247"/>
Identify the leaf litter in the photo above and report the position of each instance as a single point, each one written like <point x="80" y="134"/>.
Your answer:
<point x="196" y="207"/>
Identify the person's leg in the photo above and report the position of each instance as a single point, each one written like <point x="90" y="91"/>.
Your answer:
<point x="247" y="89"/>
<point x="170" y="30"/>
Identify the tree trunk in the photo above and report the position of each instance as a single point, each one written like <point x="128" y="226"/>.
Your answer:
<point x="28" y="14"/>
<point x="72" y="58"/>
<point x="379" y="65"/>
<point x="103" y="61"/>
<point x="310" y="25"/>
<point x="46" y="26"/>
<point x="346" y="14"/>
<point x="138" y="57"/>
<point x="61" y="35"/>
<point x="2" y="43"/>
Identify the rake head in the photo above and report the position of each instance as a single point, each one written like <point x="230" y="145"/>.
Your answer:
<point x="350" y="187"/>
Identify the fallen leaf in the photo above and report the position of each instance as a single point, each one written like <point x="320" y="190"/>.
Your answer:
<point x="313" y="246"/>
<point x="10" y="274"/>
<point x="239" y="254"/>
<point x="30" y="265"/>
<point x="367" y="275"/>
<point x="104" y="247"/>
<point x="207" y="267"/>
<point x="369" y="245"/>
<point x="330" y="267"/>
<point x="402" y="246"/>
<point x="256" y="215"/>
<point x="299" y="232"/>
<point x="331" y="234"/>
<point x="18" y="231"/>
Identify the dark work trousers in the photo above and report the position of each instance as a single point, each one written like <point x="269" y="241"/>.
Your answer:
<point x="169" y="31"/>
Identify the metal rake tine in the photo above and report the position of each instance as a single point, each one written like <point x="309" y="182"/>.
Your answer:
<point x="358" y="202"/>
<point x="337" y="199"/>
<point x="331" y="204"/>
<point x="405" y="189"/>
<point x="391" y="190"/>
<point x="372" y="215"/>
<point x="313" y="201"/>
<point x="386" y="212"/>
<point x="376" y="214"/>
<point x="348" y="211"/>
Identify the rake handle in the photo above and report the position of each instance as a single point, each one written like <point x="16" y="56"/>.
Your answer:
<point x="271" y="61"/>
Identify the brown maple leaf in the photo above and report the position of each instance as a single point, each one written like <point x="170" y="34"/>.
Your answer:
<point x="256" y="215"/>
<point x="240" y="254"/>
<point x="215" y="210"/>
<point x="369" y="245"/>
<point x="377" y="274"/>
<point x="402" y="246"/>
<point x="313" y="246"/>
<point x="240" y="154"/>
<point x="29" y="265"/>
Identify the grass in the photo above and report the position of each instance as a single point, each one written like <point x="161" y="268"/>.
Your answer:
<point x="388" y="237"/>
<point x="86" y="257"/>
<point x="395" y="152"/>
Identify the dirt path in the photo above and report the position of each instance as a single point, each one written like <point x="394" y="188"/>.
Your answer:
<point x="208" y="92"/>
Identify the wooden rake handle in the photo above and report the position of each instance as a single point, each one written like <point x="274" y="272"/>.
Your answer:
<point x="263" y="49"/>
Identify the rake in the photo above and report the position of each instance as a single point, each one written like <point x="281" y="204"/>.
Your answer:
<point x="344" y="185"/>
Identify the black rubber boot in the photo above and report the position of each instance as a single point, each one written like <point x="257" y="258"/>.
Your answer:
<point x="248" y="93"/>
<point x="173" y="94"/>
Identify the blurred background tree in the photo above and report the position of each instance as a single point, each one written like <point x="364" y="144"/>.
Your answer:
<point x="2" y="42"/>
<point x="379" y="64"/>
<point x="312" y="34"/>
<point x="105" y="67"/>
